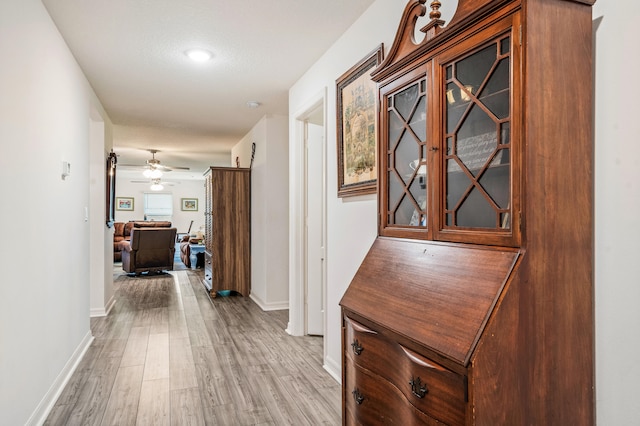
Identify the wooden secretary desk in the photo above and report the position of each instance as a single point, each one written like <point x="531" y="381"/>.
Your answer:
<point x="475" y="303"/>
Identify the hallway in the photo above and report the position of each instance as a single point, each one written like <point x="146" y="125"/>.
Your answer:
<point x="167" y="355"/>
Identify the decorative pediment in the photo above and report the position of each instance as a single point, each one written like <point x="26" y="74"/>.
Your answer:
<point x="405" y="42"/>
<point x="405" y="46"/>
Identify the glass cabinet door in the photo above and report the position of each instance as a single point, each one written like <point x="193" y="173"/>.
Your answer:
<point x="406" y="160"/>
<point x="448" y="157"/>
<point x="477" y="139"/>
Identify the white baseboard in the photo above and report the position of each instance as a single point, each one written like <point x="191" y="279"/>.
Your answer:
<point x="273" y="306"/>
<point x="103" y="312"/>
<point x="333" y="368"/>
<point x="44" y="407"/>
<point x="110" y="305"/>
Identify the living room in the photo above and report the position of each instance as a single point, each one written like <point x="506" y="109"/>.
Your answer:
<point x="50" y="113"/>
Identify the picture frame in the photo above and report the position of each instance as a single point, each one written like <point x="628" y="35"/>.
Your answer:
<point x="356" y="117"/>
<point x="189" y="204"/>
<point x="125" y="203"/>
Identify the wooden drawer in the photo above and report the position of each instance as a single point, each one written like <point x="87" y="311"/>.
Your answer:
<point x="430" y="387"/>
<point x="371" y="400"/>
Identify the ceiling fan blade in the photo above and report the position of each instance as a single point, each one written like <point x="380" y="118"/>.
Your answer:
<point x="154" y="163"/>
<point x="148" y="182"/>
<point x="164" y="168"/>
<point x="137" y="166"/>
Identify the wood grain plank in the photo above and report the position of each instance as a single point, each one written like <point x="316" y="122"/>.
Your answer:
<point x="186" y="408"/>
<point x="113" y="348"/>
<point x="122" y="408"/>
<point x="157" y="358"/>
<point x="224" y="415"/>
<point x="154" y="407"/>
<point x="214" y="388"/>
<point x="178" y="325"/>
<point x="182" y="370"/>
<point x="159" y="320"/>
<point x="92" y="401"/>
<point x="135" y="351"/>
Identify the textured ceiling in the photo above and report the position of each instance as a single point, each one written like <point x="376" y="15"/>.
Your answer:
<point x="132" y="52"/>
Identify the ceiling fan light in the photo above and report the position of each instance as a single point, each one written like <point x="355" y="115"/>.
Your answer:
<point x="152" y="174"/>
<point x="157" y="187"/>
<point x="199" y="55"/>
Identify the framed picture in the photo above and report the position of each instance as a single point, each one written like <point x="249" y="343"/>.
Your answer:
<point x="189" y="204"/>
<point x="124" y="203"/>
<point x="356" y="127"/>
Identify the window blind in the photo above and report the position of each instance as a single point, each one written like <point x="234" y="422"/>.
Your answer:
<point x="158" y="206"/>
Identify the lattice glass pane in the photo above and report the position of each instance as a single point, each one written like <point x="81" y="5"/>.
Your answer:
<point x="478" y="137"/>
<point x="407" y="156"/>
<point x="497" y="187"/>
<point x="419" y="120"/>
<point x="396" y="191"/>
<point x="476" y="212"/>
<point x="407" y="134"/>
<point x="418" y="192"/>
<point x="472" y="70"/>
<point x="477" y="140"/>
<point x="505" y="45"/>
<point x="457" y="184"/>
<point x="404" y="213"/>
<point x="395" y="128"/>
<point x="406" y="100"/>
<point x="456" y="106"/>
<point x="495" y="94"/>
<point x="505" y="133"/>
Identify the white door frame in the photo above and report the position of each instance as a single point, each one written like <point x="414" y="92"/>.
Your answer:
<point x="297" y="201"/>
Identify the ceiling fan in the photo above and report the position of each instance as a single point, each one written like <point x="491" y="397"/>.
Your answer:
<point x="153" y="168"/>
<point x="156" y="183"/>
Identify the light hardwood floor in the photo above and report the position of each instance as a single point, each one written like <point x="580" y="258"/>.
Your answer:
<point x="168" y="355"/>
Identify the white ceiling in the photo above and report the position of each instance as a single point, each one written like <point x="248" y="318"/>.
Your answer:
<point x="132" y="52"/>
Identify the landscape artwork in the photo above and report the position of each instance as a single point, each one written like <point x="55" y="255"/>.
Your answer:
<point x="357" y="146"/>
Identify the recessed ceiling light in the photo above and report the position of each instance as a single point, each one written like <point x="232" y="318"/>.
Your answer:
<point x="253" y="104"/>
<point x="199" y="55"/>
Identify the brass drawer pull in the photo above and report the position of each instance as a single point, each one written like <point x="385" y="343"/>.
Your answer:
<point x="357" y="396"/>
<point x="357" y="348"/>
<point x="418" y="388"/>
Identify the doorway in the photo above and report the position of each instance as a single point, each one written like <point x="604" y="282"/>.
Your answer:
<point x="314" y="226"/>
<point x="307" y="248"/>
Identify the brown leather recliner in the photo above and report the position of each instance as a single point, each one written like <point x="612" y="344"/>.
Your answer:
<point x="122" y="233"/>
<point x="150" y="249"/>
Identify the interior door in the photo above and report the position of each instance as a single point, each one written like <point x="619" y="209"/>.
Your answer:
<point x="314" y="295"/>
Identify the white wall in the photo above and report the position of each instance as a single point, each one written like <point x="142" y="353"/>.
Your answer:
<point x="352" y="222"/>
<point x="101" y="237"/>
<point x="617" y="194"/>
<point x="269" y="210"/>
<point x="182" y="189"/>
<point x="44" y="295"/>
